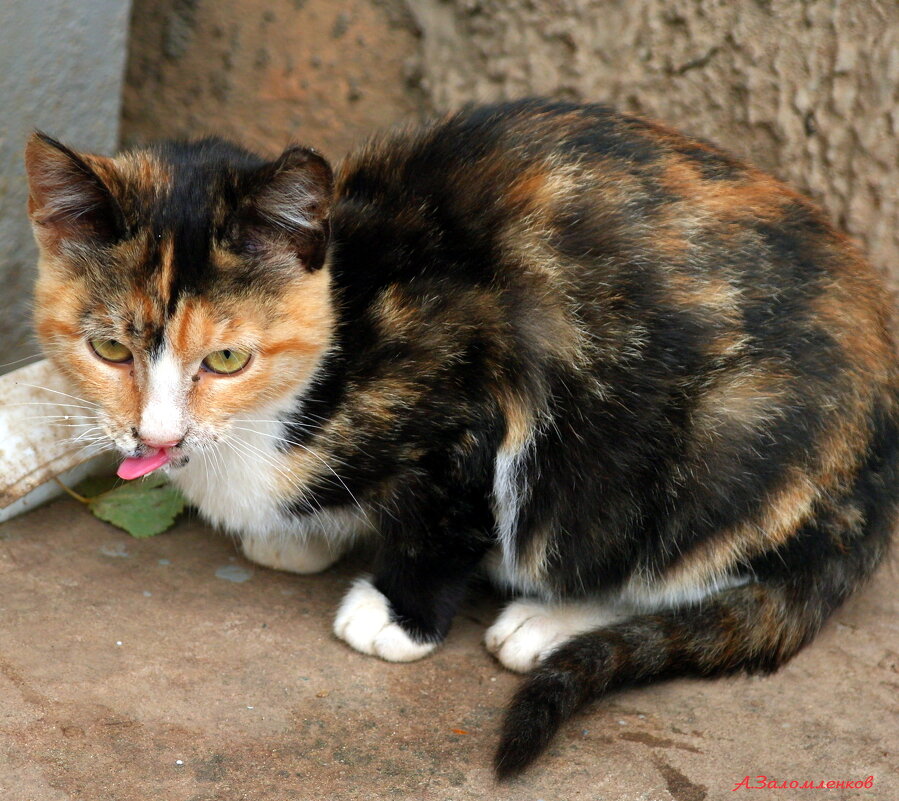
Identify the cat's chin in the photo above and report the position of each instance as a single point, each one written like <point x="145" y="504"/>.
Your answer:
<point x="177" y="461"/>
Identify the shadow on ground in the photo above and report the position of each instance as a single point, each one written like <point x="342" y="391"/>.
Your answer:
<point x="172" y="669"/>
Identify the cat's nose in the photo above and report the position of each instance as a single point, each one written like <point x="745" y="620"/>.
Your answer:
<point x="160" y="445"/>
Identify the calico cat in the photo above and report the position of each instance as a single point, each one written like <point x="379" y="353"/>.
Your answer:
<point x="644" y="385"/>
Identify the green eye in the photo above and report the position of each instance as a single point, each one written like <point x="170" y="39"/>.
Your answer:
<point x="111" y="350"/>
<point x="226" y="361"/>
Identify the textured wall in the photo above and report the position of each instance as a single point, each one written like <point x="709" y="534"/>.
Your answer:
<point x="267" y="72"/>
<point x="808" y="89"/>
<point x="61" y="64"/>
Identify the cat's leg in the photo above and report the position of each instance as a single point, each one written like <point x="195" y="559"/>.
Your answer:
<point x="403" y="611"/>
<point x="528" y="629"/>
<point x="308" y="554"/>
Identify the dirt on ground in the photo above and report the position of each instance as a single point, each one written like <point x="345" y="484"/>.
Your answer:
<point x="172" y="669"/>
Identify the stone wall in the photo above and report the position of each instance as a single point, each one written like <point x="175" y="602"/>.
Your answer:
<point x="61" y="66"/>
<point x="268" y="72"/>
<point x="808" y="89"/>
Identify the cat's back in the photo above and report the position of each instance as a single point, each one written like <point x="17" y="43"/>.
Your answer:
<point x="618" y="219"/>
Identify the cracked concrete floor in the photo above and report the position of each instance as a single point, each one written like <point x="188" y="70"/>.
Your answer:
<point x="171" y="669"/>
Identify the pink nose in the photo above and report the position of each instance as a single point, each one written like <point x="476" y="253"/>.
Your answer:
<point x="160" y="445"/>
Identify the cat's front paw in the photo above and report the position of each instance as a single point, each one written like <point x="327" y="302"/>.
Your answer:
<point x="364" y="622"/>
<point x="306" y="555"/>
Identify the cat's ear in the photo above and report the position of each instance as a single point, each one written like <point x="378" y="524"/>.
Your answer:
<point x="68" y="200"/>
<point x="292" y="202"/>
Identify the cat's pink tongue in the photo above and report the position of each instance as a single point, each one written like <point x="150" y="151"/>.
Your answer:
<point x="135" y="467"/>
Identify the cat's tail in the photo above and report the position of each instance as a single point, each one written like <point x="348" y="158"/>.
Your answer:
<point x="753" y="628"/>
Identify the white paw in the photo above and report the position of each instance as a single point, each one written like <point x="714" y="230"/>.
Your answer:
<point x="307" y="555"/>
<point x="363" y="621"/>
<point x="528" y="631"/>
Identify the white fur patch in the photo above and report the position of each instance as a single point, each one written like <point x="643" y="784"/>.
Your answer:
<point x="233" y="484"/>
<point x="363" y="621"/>
<point x="509" y="490"/>
<point x="528" y="631"/>
<point x="641" y="597"/>
<point x="163" y="416"/>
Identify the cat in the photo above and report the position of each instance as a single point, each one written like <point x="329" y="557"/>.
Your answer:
<point x="643" y="385"/>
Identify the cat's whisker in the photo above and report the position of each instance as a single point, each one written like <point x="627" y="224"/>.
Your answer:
<point x="19" y="361"/>
<point x="66" y="416"/>
<point x="302" y="426"/>
<point x="90" y="433"/>
<point x="57" y="392"/>
<point x="204" y="455"/>
<point x="290" y="442"/>
<point x="306" y="429"/>
<point x="50" y="419"/>
<point x="218" y="465"/>
<point x="84" y="437"/>
<point x="88" y="450"/>
<point x="92" y="450"/>
<point x="280" y="421"/>
<point x="287" y="441"/>
<point x="95" y="430"/>
<point x="90" y="429"/>
<point x="276" y="421"/>
<point x="211" y="457"/>
<point x="312" y="452"/>
<point x="55" y="405"/>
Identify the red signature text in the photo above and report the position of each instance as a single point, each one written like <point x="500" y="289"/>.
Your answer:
<point x="767" y="783"/>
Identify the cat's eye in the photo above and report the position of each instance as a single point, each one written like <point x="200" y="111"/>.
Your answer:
<point x="226" y="361"/>
<point x="111" y="350"/>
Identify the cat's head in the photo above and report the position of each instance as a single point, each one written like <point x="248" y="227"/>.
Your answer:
<point x="181" y="286"/>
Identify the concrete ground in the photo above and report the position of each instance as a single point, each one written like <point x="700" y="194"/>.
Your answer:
<point x="171" y="669"/>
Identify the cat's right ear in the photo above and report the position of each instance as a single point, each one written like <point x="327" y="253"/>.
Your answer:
<point x="67" y="201"/>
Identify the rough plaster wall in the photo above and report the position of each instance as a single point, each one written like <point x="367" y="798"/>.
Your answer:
<point x="267" y="72"/>
<point x="61" y="64"/>
<point x="808" y="89"/>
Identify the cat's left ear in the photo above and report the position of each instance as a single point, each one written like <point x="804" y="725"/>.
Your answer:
<point x="292" y="202"/>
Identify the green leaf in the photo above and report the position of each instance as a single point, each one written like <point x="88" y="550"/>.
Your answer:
<point x="143" y="508"/>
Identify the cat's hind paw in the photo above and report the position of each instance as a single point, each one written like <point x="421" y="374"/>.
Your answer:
<point x="305" y="555"/>
<point x="364" y="622"/>
<point x="526" y="632"/>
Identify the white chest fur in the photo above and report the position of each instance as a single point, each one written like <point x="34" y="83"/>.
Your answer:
<point x="233" y="483"/>
<point x="237" y="485"/>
